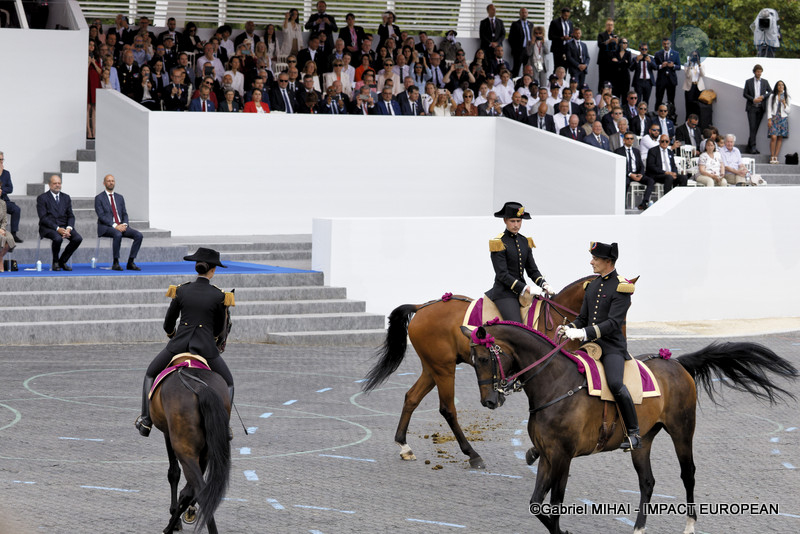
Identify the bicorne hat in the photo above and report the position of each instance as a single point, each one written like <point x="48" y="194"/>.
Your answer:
<point x="513" y="210"/>
<point x="606" y="252"/>
<point x="207" y="255"/>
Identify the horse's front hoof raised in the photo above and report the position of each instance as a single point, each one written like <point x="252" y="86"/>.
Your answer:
<point x="531" y="456"/>
<point x="477" y="463"/>
<point x="190" y="515"/>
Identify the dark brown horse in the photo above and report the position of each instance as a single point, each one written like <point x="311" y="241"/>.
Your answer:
<point x="192" y="408"/>
<point x="435" y="333"/>
<point x="565" y="422"/>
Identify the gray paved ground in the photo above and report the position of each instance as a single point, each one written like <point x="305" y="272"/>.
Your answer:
<point x="324" y="461"/>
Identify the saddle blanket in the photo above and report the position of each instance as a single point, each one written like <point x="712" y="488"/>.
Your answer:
<point x="483" y="310"/>
<point x="638" y="378"/>
<point x="193" y="361"/>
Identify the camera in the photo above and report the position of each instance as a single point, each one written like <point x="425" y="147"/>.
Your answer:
<point x="208" y="69"/>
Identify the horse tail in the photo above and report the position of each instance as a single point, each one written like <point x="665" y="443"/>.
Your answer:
<point x="215" y="424"/>
<point x="393" y="350"/>
<point x="740" y="366"/>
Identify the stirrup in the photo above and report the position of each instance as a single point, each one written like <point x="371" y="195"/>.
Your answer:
<point x="143" y="425"/>
<point x="631" y="442"/>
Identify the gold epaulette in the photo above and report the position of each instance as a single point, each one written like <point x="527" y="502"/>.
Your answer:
<point x="624" y="286"/>
<point x="172" y="291"/>
<point x="229" y="300"/>
<point x="496" y="244"/>
<point x="586" y="284"/>
<point x="531" y="243"/>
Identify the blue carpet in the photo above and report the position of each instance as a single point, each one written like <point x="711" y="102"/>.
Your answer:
<point x="149" y="269"/>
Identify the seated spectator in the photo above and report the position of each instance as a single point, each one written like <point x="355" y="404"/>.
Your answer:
<point x="128" y="73"/>
<point x="158" y="76"/>
<point x="305" y="91"/>
<point x="402" y="96"/>
<point x="428" y="97"/>
<point x="121" y="30"/>
<point x="7" y="242"/>
<point x="336" y="101"/>
<point x="170" y="31"/>
<point x="176" y="95"/>
<point x="457" y="75"/>
<point x="649" y="141"/>
<point x="640" y="123"/>
<point x="421" y="75"/>
<point x="666" y="125"/>
<point x="212" y="86"/>
<point x="710" y="167"/>
<point x="449" y="46"/>
<point x="661" y="166"/>
<point x="140" y="53"/>
<point x="229" y="103"/>
<point x="437" y="74"/>
<point x="363" y="103"/>
<point x="634" y="169"/>
<point x="183" y="62"/>
<point x="526" y="86"/>
<point x="256" y="105"/>
<point x="227" y="83"/>
<point x="347" y="68"/>
<point x="483" y="91"/>
<point x="566" y="94"/>
<point x="561" y="79"/>
<point x="338" y="75"/>
<point x="208" y="65"/>
<point x="56" y="221"/>
<point x="497" y="64"/>
<point x="112" y="221"/>
<point x="202" y="102"/>
<point x="282" y="98"/>
<point x="235" y="66"/>
<point x="689" y="134"/>
<point x="145" y="93"/>
<point x="443" y="106"/>
<point x="589" y="120"/>
<point x="492" y="107"/>
<point x="114" y="48"/>
<point x="479" y="59"/>
<point x="365" y="66"/>
<point x="504" y="87"/>
<point x="616" y="140"/>
<point x="312" y="53"/>
<point x="596" y="138"/>
<point x="611" y="122"/>
<point x="412" y="105"/>
<point x="387" y="105"/>
<point x="572" y="130"/>
<point x="249" y="34"/>
<point x="225" y="41"/>
<point x="515" y="110"/>
<point x="261" y="55"/>
<point x="106" y="82"/>
<point x="553" y="99"/>
<point x="588" y="103"/>
<point x="541" y="98"/>
<point x="541" y="119"/>
<point x="735" y="170"/>
<point x="6" y="188"/>
<point x="310" y="68"/>
<point x="258" y="83"/>
<point x="167" y="52"/>
<point x="369" y="80"/>
<point x="561" y="119"/>
<point x="388" y="74"/>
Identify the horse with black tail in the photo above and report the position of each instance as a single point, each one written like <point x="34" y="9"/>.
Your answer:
<point x="433" y="328"/>
<point x="564" y="422"/>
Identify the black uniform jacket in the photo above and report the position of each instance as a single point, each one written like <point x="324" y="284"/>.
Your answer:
<point x="603" y="311"/>
<point x="512" y="256"/>
<point x="201" y="307"/>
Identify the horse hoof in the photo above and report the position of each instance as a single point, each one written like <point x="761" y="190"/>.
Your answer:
<point x="531" y="456"/>
<point x="406" y="453"/>
<point x="190" y="515"/>
<point x="477" y="463"/>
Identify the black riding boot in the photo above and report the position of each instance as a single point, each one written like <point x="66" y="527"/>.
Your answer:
<point x="143" y="422"/>
<point x="230" y="429"/>
<point x="626" y="407"/>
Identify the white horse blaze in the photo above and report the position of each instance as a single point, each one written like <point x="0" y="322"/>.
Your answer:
<point x="689" y="526"/>
<point x="405" y="452"/>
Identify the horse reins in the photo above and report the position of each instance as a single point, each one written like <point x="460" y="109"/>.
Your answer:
<point x="548" y="318"/>
<point x="512" y="384"/>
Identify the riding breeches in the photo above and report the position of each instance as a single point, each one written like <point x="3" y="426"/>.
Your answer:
<point x="614" y="364"/>
<point x="509" y="309"/>
<point x="161" y="362"/>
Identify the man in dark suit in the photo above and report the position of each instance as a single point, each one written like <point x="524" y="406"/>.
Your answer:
<point x="572" y="130"/>
<point x="6" y="187"/>
<point x="249" y="33"/>
<point x="492" y="31"/>
<point x="112" y="221"/>
<point x="176" y="95"/>
<point x="616" y="139"/>
<point x="306" y="90"/>
<point x="668" y="61"/>
<point x="351" y="34"/>
<point x="335" y="101"/>
<point x="542" y="119"/>
<point x="629" y="108"/>
<point x="311" y="53"/>
<point x="387" y="105"/>
<point x="689" y="134"/>
<point x="661" y="165"/>
<point x="559" y="33"/>
<point x="322" y="22"/>
<point x="55" y="223"/>
<point x="577" y="57"/>
<point x="282" y="98"/>
<point x="496" y="62"/>
<point x="519" y="37"/>
<point x="515" y="110"/>
<point x="666" y="125"/>
<point x="124" y="32"/>
<point x="644" y="74"/>
<point x="144" y="28"/>
<point x="596" y="138"/>
<point x="611" y="120"/>
<point x="171" y="25"/>
<point x="607" y="46"/>
<point x="492" y="107"/>
<point x="634" y="170"/>
<point x="411" y="105"/>
<point x="756" y="91"/>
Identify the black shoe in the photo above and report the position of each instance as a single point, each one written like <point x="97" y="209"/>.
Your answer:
<point x="754" y="151"/>
<point x="116" y="266"/>
<point x="55" y="267"/>
<point x="631" y="441"/>
<point x="17" y="238"/>
<point x="63" y="266"/>
<point x="642" y="207"/>
<point x="132" y="266"/>
<point x="143" y="425"/>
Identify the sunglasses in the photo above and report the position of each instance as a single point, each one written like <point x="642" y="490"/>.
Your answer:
<point x="662" y="110"/>
<point x="283" y="81"/>
<point x="655" y="130"/>
<point x="292" y="61"/>
<point x="664" y="141"/>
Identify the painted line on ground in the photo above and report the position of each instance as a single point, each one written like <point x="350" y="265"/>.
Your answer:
<point x="789" y="515"/>
<point x="625" y="520"/>
<point x="252" y="429"/>
<point x="518" y="431"/>
<point x="287" y="403"/>
<point x="494" y="474"/>
<point x="520" y="454"/>
<point x="22" y="482"/>
<point x="323" y="390"/>
<point x="586" y="501"/>
<point x="775" y="451"/>
<point x="265" y="415"/>
<point x="323" y="508"/>
<point x="348" y="458"/>
<point x="405" y="374"/>
<point x="774" y="440"/>
<point x="515" y="442"/>
<point x="251" y="476"/>
<point x="81" y="439"/>
<point x="315" y="532"/>
<point x="362" y="380"/>
<point x="791" y="429"/>
<point x="111" y="489"/>
<point x="435" y="522"/>
<point x="275" y="504"/>
<point x="787" y="465"/>
<point x="234" y="500"/>
<point x="654" y="495"/>
<point x="244" y="450"/>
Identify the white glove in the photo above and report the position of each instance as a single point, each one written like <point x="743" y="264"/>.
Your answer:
<point x="560" y="329"/>
<point x="548" y="289"/>
<point x="534" y="290"/>
<point x="578" y="334"/>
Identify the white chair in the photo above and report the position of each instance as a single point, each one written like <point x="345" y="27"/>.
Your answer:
<point x="687" y="151"/>
<point x="97" y="250"/>
<point x="635" y="194"/>
<point x="750" y="163"/>
<point x="39" y="248"/>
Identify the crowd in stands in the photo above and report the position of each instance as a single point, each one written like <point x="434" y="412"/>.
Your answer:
<point x="340" y="70"/>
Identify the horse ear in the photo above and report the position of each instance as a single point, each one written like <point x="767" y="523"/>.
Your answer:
<point x="634" y="280"/>
<point x="480" y="333"/>
<point x="466" y="331"/>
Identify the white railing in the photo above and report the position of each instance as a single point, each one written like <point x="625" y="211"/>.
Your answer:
<point x="412" y="15"/>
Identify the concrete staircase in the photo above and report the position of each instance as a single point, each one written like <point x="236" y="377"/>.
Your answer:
<point x="780" y="174"/>
<point x="78" y="176"/>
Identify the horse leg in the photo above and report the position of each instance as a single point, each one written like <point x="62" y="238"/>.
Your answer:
<point x="682" y="440"/>
<point x="212" y="526"/>
<point x="173" y="475"/>
<point x="414" y="396"/>
<point x="560" y="476"/>
<point x="194" y="481"/>
<point x="447" y="407"/>
<point x="641" y="462"/>
<point x="544" y="481"/>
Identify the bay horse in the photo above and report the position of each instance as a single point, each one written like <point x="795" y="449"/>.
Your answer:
<point x="565" y="422"/>
<point x="435" y="334"/>
<point x="192" y="408"/>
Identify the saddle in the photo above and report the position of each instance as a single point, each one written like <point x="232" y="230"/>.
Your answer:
<point x="483" y="310"/>
<point x="637" y="377"/>
<point x="185" y="359"/>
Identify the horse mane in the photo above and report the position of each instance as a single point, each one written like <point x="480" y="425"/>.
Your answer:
<point x="531" y="331"/>
<point x="579" y="281"/>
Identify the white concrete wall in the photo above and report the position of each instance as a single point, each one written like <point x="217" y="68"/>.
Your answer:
<point x="43" y="96"/>
<point x="701" y="253"/>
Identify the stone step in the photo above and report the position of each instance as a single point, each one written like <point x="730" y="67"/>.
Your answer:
<point x="90" y="144"/>
<point x="781" y="179"/>
<point x="86" y="155"/>
<point x="780" y="168"/>
<point x="266" y="256"/>
<point x="363" y="338"/>
<point x="252" y="329"/>
<point x="27" y="203"/>
<point x="244" y="308"/>
<point x="29" y="230"/>
<point x="248" y="246"/>
<point x="72" y="166"/>
<point x="132" y="297"/>
<point x="26" y="257"/>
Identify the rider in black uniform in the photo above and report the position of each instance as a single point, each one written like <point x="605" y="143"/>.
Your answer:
<point x="512" y="256"/>
<point x="201" y="307"/>
<point x="603" y="311"/>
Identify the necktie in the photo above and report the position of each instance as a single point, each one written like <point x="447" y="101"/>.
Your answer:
<point x="492" y="27"/>
<point x="204" y="108"/>
<point x="644" y="70"/>
<point x="390" y="107"/>
<point x="630" y="162"/>
<point x="580" y="51"/>
<point x="286" y="102"/>
<point x="665" y="160"/>
<point x="414" y="108"/>
<point x="527" y="35"/>
<point x="566" y="28"/>
<point x="114" y="209"/>
<point x="574" y="134"/>
<point x="598" y="139"/>
<point x="633" y="111"/>
<point x="541" y="123"/>
<point x="335" y="106"/>
<point x="436" y="76"/>
<point x="58" y="200"/>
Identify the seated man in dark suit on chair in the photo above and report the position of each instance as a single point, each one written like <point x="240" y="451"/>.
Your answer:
<point x="596" y="138"/>
<point x="541" y="119"/>
<point x="661" y="165"/>
<point x="55" y="223"/>
<point x="515" y="110"/>
<point x="634" y="169"/>
<point x="572" y="130"/>
<point x="112" y="221"/>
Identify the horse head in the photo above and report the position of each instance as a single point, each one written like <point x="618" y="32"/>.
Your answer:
<point x="487" y="359"/>
<point x="222" y="339"/>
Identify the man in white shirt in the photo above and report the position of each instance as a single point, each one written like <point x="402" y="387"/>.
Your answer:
<point x="208" y="58"/>
<point x="561" y="118"/>
<point x="649" y="141"/>
<point x="226" y="42"/>
<point x="735" y="171"/>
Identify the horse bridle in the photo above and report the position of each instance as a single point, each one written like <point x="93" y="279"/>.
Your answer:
<point x="512" y="384"/>
<point x="559" y="308"/>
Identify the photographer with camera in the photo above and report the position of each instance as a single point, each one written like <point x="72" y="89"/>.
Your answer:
<point x="644" y="69"/>
<point x="766" y="32"/>
<point x="668" y="62"/>
<point x="335" y="102"/>
<point x="208" y="65"/>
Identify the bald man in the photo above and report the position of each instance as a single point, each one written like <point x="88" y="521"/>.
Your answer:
<point x="112" y="221"/>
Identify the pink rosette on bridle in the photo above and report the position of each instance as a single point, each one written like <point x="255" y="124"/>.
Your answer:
<point x="446" y="297"/>
<point x="486" y="342"/>
<point x="665" y="353"/>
